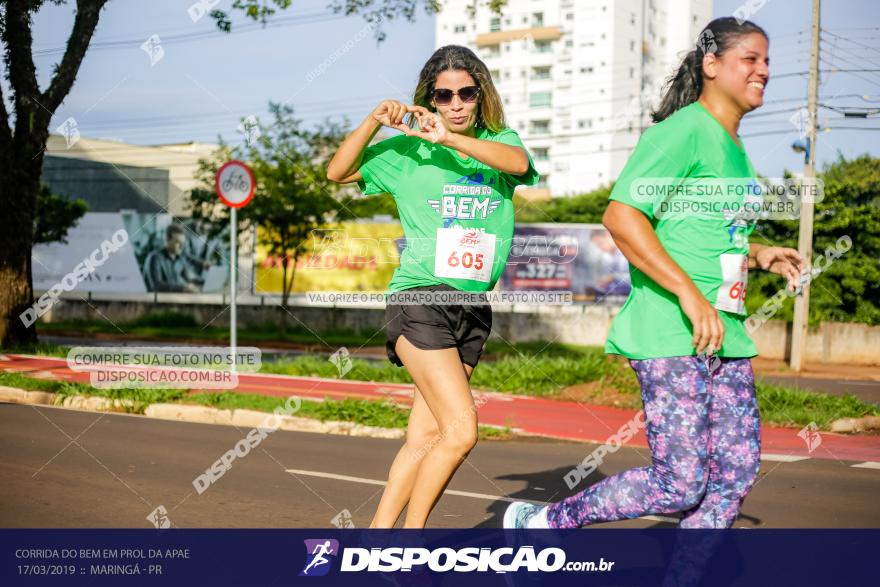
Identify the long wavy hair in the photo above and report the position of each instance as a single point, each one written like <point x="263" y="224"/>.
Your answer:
<point x="684" y="87"/>
<point x="490" y="112"/>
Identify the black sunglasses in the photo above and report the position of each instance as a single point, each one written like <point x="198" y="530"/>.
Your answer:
<point x="443" y="96"/>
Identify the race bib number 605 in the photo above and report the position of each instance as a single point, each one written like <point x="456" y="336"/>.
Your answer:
<point x="464" y="253"/>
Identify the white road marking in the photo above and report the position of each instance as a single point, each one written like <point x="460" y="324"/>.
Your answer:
<point x="867" y="465"/>
<point x="782" y="458"/>
<point x="485" y="496"/>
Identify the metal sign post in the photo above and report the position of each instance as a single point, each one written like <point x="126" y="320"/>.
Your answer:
<point x="233" y="284"/>
<point x="235" y="186"/>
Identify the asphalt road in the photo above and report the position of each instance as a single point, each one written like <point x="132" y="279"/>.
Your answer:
<point x="64" y="468"/>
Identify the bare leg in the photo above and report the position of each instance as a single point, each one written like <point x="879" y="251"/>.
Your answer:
<point x="443" y="383"/>
<point x="422" y="434"/>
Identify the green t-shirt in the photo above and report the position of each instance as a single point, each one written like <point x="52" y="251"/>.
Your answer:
<point x="457" y="214"/>
<point x="672" y="176"/>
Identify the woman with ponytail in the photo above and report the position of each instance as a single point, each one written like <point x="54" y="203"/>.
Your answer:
<point x="682" y="327"/>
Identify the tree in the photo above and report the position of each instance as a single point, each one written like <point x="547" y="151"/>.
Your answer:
<point x="353" y="207"/>
<point x="22" y="148"/>
<point x="293" y="197"/>
<point x="849" y="289"/>
<point x="55" y="216"/>
<point x="587" y="208"/>
<point x="374" y="11"/>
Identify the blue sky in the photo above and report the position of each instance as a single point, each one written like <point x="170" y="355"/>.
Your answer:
<point x="207" y="81"/>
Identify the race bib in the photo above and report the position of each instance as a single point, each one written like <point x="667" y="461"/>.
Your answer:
<point x="464" y="253"/>
<point x="734" y="278"/>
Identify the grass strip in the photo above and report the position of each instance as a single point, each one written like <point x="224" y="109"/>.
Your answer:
<point x="365" y="412"/>
<point x="536" y="369"/>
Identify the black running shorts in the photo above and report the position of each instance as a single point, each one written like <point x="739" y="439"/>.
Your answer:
<point x="432" y="327"/>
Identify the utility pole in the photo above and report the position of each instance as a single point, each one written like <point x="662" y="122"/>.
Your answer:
<point x="644" y="54"/>
<point x="805" y="234"/>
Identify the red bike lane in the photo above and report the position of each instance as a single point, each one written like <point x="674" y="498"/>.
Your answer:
<point x="567" y="420"/>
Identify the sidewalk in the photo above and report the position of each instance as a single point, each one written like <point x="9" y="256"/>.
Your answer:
<point x="566" y="420"/>
<point x="779" y="368"/>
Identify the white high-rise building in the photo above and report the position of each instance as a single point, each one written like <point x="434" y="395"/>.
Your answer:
<point x="577" y="77"/>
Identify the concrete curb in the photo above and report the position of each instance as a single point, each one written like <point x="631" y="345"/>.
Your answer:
<point x="856" y="424"/>
<point x="21" y="396"/>
<point x="185" y="413"/>
<point x="198" y="414"/>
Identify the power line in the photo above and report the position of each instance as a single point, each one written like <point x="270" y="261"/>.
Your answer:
<point x="200" y="35"/>
<point x="834" y="54"/>
<point x="802" y="73"/>
<point x="860" y="112"/>
<point x="846" y="60"/>
<point x="792" y="130"/>
<point x="148" y="125"/>
<point x="189" y="28"/>
<point x="151" y="121"/>
<point x="850" y="40"/>
<point x="154" y="127"/>
<point x="854" y="72"/>
<point x="853" y="29"/>
<point x="154" y="123"/>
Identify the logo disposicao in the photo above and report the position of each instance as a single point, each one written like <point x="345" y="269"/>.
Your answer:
<point x="320" y="554"/>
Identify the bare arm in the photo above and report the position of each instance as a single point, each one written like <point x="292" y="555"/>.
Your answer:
<point x="343" y="168"/>
<point x="504" y="158"/>
<point x="635" y="237"/>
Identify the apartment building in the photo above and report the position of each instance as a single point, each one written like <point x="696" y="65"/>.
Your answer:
<point x="578" y="77"/>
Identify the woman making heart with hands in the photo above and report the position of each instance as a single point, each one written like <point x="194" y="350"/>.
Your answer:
<point x="452" y="174"/>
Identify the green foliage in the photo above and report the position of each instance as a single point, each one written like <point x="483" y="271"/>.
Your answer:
<point x="796" y="407"/>
<point x="292" y="198"/>
<point x="525" y="369"/>
<point x="258" y="10"/>
<point x="351" y="208"/>
<point x="13" y="379"/>
<point x="369" y="413"/>
<point x="55" y="216"/>
<point x="586" y="208"/>
<point x="166" y="327"/>
<point x="540" y="375"/>
<point x="261" y="10"/>
<point x="778" y="404"/>
<point x="166" y="319"/>
<point x="318" y="366"/>
<point x="849" y="289"/>
<point x="358" y="411"/>
<point x="372" y="11"/>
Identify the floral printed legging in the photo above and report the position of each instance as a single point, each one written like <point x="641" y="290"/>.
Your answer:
<point x="702" y="423"/>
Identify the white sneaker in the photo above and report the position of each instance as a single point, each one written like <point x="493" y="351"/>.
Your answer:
<point x="520" y="514"/>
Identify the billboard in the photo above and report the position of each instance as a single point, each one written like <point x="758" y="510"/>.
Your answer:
<point x="161" y="253"/>
<point x="349" y="256"/>
<point x="178" y="254"/>
<point x="580" y="258"/>
<point x="167" y="254"/>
